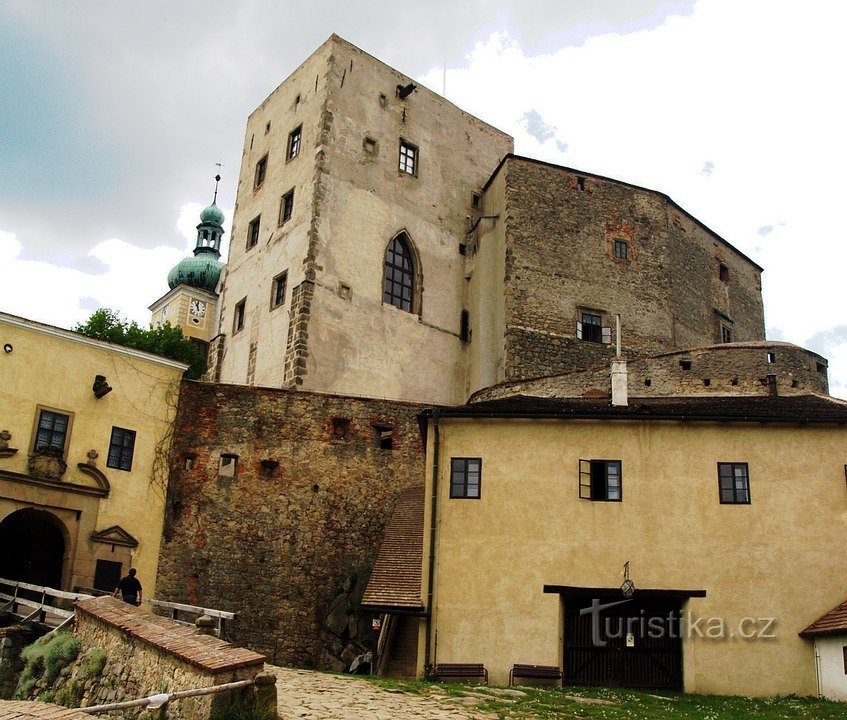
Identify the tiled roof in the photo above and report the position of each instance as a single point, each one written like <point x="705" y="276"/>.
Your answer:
<point x="833" y="623"/>
<point x="396" y="578"/>
<point x="739" y="408"/>
<point x="203" y="651"/>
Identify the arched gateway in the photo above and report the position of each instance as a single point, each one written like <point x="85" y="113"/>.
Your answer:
<point x="32" y="547"/>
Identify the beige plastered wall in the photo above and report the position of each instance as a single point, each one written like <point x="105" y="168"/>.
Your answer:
<point x="56" y="369"/>
<point x="357" y="344"/>
<point x="485" y="269"/>
<point x="782" y="556"/>
<point x="249" y="273"/>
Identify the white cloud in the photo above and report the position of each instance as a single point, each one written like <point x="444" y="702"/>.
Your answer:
<point x="133" y="278"/>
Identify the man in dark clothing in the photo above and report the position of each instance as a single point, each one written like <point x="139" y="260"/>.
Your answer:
<point x="129" y="589"/>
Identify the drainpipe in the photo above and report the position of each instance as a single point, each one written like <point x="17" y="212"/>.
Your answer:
<point x="818" y="669"/>
<point x="436" y="443"/>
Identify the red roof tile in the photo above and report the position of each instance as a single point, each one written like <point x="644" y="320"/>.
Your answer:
<point x="833" y="623"/>
<point x="396" y="578"/>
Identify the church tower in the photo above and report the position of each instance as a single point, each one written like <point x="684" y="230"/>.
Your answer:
<point x="192" y="301"/>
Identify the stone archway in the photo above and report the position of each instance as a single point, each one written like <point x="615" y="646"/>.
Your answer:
<point x="32" y="547"/>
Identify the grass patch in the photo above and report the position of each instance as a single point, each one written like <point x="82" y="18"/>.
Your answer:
<point x="45" y="659"/>
<point x="558" y="703"/>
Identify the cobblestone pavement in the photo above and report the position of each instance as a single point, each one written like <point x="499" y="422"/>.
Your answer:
<point x="307" y="695"/>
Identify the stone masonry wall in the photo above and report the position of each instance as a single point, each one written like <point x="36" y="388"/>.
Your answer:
<point x="126" y="654"/>
<point x="732" y="369"/>
<point x="678" y="286"/>
<point x="289" y="540"/>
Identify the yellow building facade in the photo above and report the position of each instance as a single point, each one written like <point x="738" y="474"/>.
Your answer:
<point x="86" y="429"/>
<point x="728" y="515"/>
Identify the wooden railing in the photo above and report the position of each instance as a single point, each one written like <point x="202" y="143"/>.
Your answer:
<point x="38" y="600"/>
<point x="220" y="616"/>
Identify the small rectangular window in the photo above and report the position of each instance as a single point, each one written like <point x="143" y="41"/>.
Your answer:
<point x="121" y="449"/>
<point x="723" y="272"/>
<point x="844" y="650"/>
<point x="476" y="201"/>
<point x="278" y="292"/>
<point x="107" y="575"/>
<point x="580" y="184"/>
<point x="734" y="483"/>
<point x="383" y="437"/>
<point x="286" y="207"/>
<point x="253" y="231"/>
<point x="600" y="480"/>
<point x="261" y="171"/>
<point x="294" y="138"/>
<point x="726" y="334"/>
<point x="408" y="158"/>
<point x="621" y="249"/>
<point x="771" y="358"/>
<point x="238" y="317"/>
<point x="228" y="465"/>
<point x="51" y="432"/>
<point x="465" y="477"/>
<point x="465" y="327"/>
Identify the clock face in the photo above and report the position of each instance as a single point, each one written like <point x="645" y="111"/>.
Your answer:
<point x="197" y="308"/>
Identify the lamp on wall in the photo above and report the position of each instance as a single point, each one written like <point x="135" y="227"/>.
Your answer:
<point x="101" y="387"/>
<point x="628" y="587"/>
<point x="7" y="348"/>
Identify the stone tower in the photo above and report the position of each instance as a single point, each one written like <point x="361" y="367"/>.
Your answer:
<point x="349" y="167"/>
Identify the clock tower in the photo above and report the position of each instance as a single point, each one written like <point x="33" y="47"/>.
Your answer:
<point x="192" y="301"/>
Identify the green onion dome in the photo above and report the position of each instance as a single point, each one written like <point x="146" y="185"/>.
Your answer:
<point x="200" y="271"/>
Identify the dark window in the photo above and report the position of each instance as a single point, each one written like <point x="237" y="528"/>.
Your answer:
<point x="591" y="328"/>
<point x="107" y="575"/>
<point x="465" y="477"/>
<point x="465" y="327"/>
<point x="622" y="249"/>
<point x="253" y="231"/>
<point x="278" y="294"/>
<point x="821" y="368"/>
<point x="723" y="272"/>
<point x="340" y="428"/>
<point x="398" y="276"/>
<point x="52" y="432"/>
<point x="408" y="158"/>
<point x="383" y="436"/>
<point x="121" y="448"/>
<point x="771" y="358"/>
<point x="261" y="171"/>
<point x="600" y="480"/>
<point x="294" y="138"/>
<point x="685" y="364"/>
<point x="476" y="200"/>
<point x="580" y="184"/>
<point x="734" y="483"/>
<point x="267" y="127"/>
<point x="844" y="650"/>
<point x="726" y="334"/>
<point x="238" y="317"/>
<point x="286" y="207"/>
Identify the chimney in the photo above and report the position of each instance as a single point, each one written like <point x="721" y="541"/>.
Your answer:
<point x="619" y="382"/>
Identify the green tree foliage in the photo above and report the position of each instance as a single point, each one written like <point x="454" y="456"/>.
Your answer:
<point x="166" y="340"/>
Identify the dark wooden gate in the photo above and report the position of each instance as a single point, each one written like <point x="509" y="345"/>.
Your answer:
<point x="635" y="644"/>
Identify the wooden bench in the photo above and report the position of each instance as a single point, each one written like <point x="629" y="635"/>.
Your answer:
<point x="539" y="672"/>
<point x="465" y="671"/>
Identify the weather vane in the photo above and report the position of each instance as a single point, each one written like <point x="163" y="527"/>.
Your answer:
<point x="217" y="180"/>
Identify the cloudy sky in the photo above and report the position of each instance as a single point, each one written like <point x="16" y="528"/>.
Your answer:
<point x="114" y="114"/>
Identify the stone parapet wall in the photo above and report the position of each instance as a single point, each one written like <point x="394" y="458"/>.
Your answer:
<point x="288" y="539"/>
<point x="732" y="369"/>
<point x="146" y="654"/>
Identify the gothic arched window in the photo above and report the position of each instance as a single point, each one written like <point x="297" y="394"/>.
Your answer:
<point x="398" y="279"/>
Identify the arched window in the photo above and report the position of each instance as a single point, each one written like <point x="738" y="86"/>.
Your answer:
<point x="398" y="280"/>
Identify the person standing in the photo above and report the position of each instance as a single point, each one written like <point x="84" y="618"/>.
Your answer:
<point x="129" y="589"/>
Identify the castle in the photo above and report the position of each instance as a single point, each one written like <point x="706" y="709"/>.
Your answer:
<point x="452" y="392"/>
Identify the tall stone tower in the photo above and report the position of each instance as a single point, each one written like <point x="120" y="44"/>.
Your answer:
<point x="192" y="301"/>
<point x="351" y="173"/>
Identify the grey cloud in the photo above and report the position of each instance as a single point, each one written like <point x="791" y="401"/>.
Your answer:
<point x="823" y="342"/>
<point x="536" y="126"/>
<point x="707" y="168"/>
<point x="89" y="265"/>
<point x="563" y="146"/>
<point x="90" y="304"/>
<point x="139" y="106"/>
<point x="765" y="230"/>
